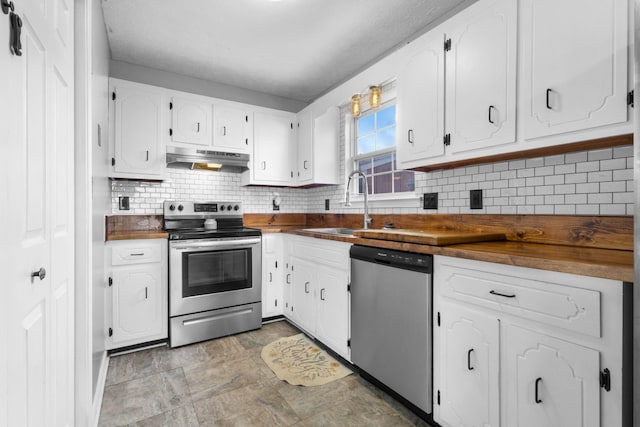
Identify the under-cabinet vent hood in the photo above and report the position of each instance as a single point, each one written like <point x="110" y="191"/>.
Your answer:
<point x="191" y="158"/>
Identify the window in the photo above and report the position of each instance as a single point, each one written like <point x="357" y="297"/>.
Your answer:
<point x="374" y="151"/>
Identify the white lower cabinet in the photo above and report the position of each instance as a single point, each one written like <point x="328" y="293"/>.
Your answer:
<point x="136" y="293"/>
<point x="316" y="290"/>
<point x="523" y="347"/>
<point x="272" y="275"/>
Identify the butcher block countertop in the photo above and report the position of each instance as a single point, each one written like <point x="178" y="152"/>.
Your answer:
<point x="605" y="263"/>
<point x="430" y="237"/>
<point x="137" y="234"/>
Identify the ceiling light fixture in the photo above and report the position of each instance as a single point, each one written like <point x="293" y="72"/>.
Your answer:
<point x="355" y="105"/>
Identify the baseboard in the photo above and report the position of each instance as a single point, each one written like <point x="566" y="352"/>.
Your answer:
<point x="97" y="397"/>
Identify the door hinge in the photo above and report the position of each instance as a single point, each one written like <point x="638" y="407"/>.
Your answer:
<point x="276" y="264"/>
<point x="447" y="45"/>
<point x="171" y="106"/>
<point x="110" y="332"/>
<point x="447" y="140"/>
<point x="110" y="281"/>
<point x="170" y="132"/>
<point x="349" y="343"/>
<point x="605" y="379"/>
<point x="630" y="96"/>
<point x="349" y="287"/>
<point x="246" y="119"/>
<point x="291" y="125"/>
<point x="438" y="318"/>
<point x="113" y="96"/>
<point x="438" y="397"/>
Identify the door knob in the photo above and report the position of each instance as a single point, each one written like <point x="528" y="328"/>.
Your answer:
<point x="41" y="274"/>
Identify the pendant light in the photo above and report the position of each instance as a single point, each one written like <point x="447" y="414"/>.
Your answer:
<point x="355" y="105"/>
<point x="375" y="92"/>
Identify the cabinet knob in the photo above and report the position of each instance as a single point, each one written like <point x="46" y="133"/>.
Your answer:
<point x="40" y="274"/>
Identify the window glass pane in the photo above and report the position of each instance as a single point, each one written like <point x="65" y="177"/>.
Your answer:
<point x="386" y="138"/>
<point x="364" y="166"/>
<point x="366" y="144"/>
<point x="382" y="163"/>
<point x="382" y="183"/>
<point x="366" y="124"/>
<point x="386" y="117"/>
<point x="361" y="185"/>
<point x="403" y="181"/>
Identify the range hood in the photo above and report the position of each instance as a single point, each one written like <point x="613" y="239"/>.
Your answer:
<point x="195" y="159"/>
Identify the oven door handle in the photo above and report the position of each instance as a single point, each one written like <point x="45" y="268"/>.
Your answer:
<point x="213" y="244"/>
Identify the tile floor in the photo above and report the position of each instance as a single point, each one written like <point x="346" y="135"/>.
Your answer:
<point x="224" y="382"/>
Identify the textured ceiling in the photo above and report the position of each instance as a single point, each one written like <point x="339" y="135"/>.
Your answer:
<point x="297" y="49"/>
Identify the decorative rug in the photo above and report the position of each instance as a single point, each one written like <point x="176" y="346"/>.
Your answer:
<point x="299" y="361"/>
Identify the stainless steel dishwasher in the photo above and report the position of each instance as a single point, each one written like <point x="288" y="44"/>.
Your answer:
<point x="391" y="320"/>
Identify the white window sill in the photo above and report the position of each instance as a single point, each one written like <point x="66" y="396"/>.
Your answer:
<point x="407" y="200"/>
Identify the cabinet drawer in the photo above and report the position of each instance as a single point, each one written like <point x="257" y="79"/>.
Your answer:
<point x="543" y="296"/>
<point x="139" y="253"/>
<point x="325" y="252"/>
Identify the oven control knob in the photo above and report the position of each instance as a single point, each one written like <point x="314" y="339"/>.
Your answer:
<point x="180" y="208"/>
<point x="229" y="207"/>
<point x="236" y="207"/>
<point x="222" y="207"/>
<point x="172" y="207"/>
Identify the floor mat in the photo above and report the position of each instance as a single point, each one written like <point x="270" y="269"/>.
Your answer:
<point x="299" y="361"/>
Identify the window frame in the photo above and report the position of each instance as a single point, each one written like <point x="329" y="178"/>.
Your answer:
<point x="405" y="198"/>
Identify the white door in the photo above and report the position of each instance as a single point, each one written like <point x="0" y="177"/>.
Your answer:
<point x="232" y="129"/>
<point x="575" y="64"/>
<point x="467" y="368"/>
<point x="274" y="139"/>
<point x="481" y="76"/>
<point x="191" y="122"/>
<point x="333" y="309"/>
<point x="304" y="165"/>
<point x="37" y="148"/>
<point x="550" y="382"/>
<point x="421" y="106"/>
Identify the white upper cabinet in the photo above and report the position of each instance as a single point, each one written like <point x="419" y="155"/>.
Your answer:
<point x="574" y="64"/>
<point x="273" y="149"/>
<point x="190" y="121"/>
<point x="136" y="122"/>
<point x="420" y="105"/>
<point x="232" y="128"/>
<point x="318" y="154"/>
<point x="481" y="76"/>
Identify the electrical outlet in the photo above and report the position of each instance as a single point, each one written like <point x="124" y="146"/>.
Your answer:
<point x="430" y="201"/>
<point x="326" y="204"/>
<point x="123" y="203"/>
<point x="475" y="199"/>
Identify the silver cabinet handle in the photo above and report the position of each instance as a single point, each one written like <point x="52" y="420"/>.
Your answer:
<point x="537" y="391"/>
<point x="410" y="136"/>
<point x="491" y="107"/>
<point x="322" y="294"/>
<point x="40" y="274"/>
<point x="288" y="277"/>
<point x="198" y="130"/>
<point x="137" y="254"/>
<point x="306" y="287"/>
<point x="146" y="293"/>
<point x="264" y="165"/>
<point x="492" y="292"/>
<point x="304" y="164"/>
<point x="147" y="155"/>
<point x="270" y="277"/>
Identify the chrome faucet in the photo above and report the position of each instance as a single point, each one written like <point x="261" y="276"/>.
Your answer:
<point x="367" y="219"/>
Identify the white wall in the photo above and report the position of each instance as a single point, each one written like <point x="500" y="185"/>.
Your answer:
<point x="151" y="76"/>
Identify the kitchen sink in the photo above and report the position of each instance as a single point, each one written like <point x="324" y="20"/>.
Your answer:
<point x="340" y="231"/>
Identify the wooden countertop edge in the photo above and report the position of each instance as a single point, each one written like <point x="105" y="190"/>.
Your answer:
<point x="604" y="263"/>
<point x="137" y="234"/>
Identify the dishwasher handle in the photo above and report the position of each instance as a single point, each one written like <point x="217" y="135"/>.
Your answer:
<point x="398" y="259"/>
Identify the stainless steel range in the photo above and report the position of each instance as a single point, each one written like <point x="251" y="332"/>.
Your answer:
<point x="215" y="283"/>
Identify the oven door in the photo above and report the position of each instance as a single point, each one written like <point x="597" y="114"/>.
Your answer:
<point x="211" y="274"/>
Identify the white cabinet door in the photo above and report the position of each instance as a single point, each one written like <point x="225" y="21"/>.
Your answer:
<point x="190" y="122"/>
<point x="575" y="64"/>
<point x="272" y="269"/>
<point x="481" y="76"/>
<point x="550" y="382"/>
<point x="467" y="367"/>
<point x="304" y="164"/>
<point x="325" y="163"/>
<point x="232" y="129"/>
<point x="137" y="304"/>
<point x="274" y="142"/>
<point x="332" y="327"/>
<point x="136" y="113"/>
<point x="420" y="106"/>
<point x="303" y="293"/>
